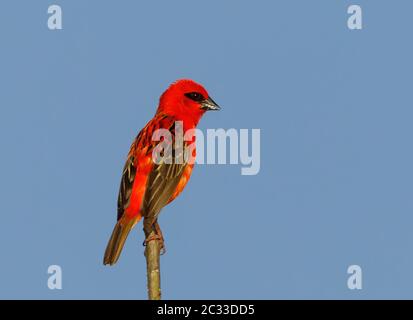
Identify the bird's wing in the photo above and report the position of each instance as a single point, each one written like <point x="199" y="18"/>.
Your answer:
<point x="162" y="183"/>
<point x="126" y="184"/>
<point x="163" y="179"/>
<point x="138" y="152"/>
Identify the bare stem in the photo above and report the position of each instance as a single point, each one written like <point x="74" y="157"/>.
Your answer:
<point x="152" y="254"/>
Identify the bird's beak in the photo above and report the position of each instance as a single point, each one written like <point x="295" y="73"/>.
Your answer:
<point x="210" y="104"/>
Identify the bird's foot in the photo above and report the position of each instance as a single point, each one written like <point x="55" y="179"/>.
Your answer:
<point x="156" y="237"/>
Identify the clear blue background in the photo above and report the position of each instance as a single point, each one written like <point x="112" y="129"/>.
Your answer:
<point x="335" y="111"/>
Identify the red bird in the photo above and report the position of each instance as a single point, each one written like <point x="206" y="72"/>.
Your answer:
<point x="146" y="185"/>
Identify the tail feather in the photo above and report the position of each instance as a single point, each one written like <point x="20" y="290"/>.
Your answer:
<point x="117" y="240"/>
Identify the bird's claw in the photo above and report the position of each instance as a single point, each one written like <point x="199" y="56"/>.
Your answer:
<point x="163" y="249"/>
<point x="156" y="237"/>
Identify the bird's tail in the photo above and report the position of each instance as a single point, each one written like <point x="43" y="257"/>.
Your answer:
<point x="118" y="238"/>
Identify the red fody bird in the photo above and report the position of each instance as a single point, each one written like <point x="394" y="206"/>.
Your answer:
<point x="146" y="185"/>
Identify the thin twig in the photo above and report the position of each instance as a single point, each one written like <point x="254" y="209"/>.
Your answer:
<point x="153" y="269"/>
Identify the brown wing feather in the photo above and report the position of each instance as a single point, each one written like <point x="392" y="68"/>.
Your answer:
<point x="142" y="142"/>
<point x="162" y="182"/>
<point x="126" y="184"/>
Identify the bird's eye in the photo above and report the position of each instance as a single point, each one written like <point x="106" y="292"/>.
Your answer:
<point x="195" y="96"/>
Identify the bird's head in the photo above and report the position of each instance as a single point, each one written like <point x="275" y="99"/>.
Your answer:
<point x="186" y="100"/>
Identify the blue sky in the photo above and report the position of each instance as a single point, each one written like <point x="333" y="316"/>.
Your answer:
<point x="333" y="107"/>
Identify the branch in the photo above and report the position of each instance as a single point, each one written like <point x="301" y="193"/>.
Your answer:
<point x="153" y="269"/>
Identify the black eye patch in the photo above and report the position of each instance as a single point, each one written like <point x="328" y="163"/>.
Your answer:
<point x="195" y="96"/>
